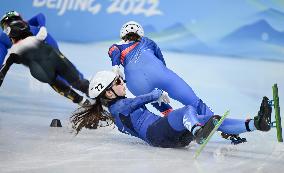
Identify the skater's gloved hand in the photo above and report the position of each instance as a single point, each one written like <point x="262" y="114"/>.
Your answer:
<point x="1" y="76"/>
<point x="116" y="69"/>
<point x="163" y="98"/>
<point x="42" y="33"/>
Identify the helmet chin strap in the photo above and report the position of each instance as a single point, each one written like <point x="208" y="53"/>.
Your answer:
<point x="114" y="92"/>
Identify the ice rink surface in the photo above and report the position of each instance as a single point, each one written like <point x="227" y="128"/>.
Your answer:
<point x="28" y="144"/>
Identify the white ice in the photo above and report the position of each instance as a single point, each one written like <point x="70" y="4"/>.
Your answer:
<point x="28" y="144"/>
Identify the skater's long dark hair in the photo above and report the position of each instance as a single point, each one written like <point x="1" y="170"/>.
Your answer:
<point x="93" y="116"/>
<point x="131" y="37"/>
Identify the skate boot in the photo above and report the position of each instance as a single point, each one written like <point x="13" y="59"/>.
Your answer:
<point x="234" y="138"/>
<point x="202" y="133"/>
<point x="262" y="121"/>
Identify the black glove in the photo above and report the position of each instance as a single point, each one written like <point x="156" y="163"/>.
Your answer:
<point x="2" y="74"/>
<point x="13" y="58"/>
<point x="1" y="78"/>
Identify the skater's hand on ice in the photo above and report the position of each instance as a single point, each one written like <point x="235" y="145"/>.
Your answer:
<point x="163" y="98"/>
<point x="118" y="71"/>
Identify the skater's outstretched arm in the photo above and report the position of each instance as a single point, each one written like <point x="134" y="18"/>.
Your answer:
<point x="3" y="52"/>
<point x="38" y="20"/>
<point x="65" y="90"/>
<point x="128" y="105"/>
<point x="5" y="43"/>
<point x="5" y="68"/>
<point x="114" y="54"/>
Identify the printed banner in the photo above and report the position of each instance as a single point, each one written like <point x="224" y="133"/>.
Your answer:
<point x="236" y="28"/>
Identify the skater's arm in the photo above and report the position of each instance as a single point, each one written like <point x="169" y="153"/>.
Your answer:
<point x="51" y="41"/>
<point x="114" y="54"/>
<point x="1" y="78"/>
<point x="5" y="43"/>
<point x="157" y="51"/>
<point x="128" y="105"/>
<point x="38" y="20"/>
<point x="159" y="54"/>
<point x="5" y="68"/>
<point x="3" y="53"/>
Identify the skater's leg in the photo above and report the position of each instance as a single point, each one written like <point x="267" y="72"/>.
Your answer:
<point x="67" y="71"/>
<point x="183" y="118"/>
<point x="203" y="109"/>
<point x="179" y="90"/>
<point x="173" y="130"/>
<point x="81" y="85"/>
<point x="45" y="75"/>
<point x="65" y="90"/>
<point x="236" y="126"/>
<point x="154" y="74"/>
<point x="230" y="125"/>
<point x="143" y="86"/>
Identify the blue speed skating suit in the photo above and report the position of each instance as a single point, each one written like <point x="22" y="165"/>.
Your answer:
<point x="145" y="69"/>
<point x="133" y="118"/>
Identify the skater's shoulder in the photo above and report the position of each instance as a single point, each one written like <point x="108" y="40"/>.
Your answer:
<point x="24" y="44"/>
<point x="146" y="39"/>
